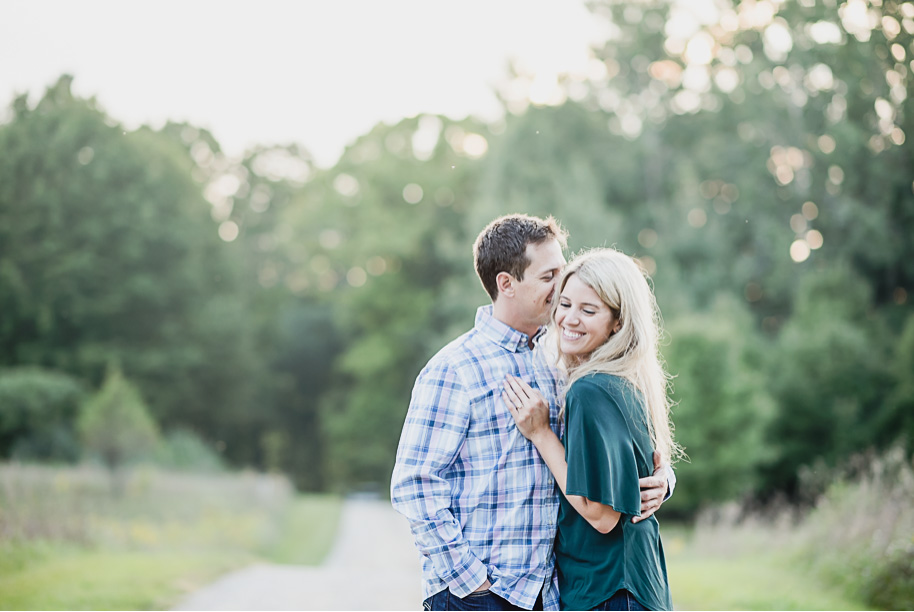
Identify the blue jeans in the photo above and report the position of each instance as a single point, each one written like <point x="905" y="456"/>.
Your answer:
<point x="622" y="600"/>
<point x="482" y="600"/>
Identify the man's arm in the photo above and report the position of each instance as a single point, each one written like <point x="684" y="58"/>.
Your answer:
<point x="434" y="431"/>
<point x="656" y="489"/>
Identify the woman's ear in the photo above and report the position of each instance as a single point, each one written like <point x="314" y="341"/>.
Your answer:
<point x="505" y="284"/>
<point x="617" y="326"/>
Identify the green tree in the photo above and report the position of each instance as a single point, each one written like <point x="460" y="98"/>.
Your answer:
<point x="115" y="423"/>
<point x="723" y="406"/>
<point x="896" y="421"/>
<point x="38" y="411"/>
<point x="108" y="250"/>
<point x="829" y="376"/>
<point x="182" y="449"/>
<point x="380" y="238"/>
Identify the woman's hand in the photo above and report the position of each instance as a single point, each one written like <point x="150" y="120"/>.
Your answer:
<point x="528" y="407"/>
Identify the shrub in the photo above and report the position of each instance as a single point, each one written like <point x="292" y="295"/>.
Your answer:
<point x="857" y="537"/>
<point x="860" y="532"/>
<point x="115" y="423"/>
<point x="183" y="450"/>
<point x="891" y="584"/>
<point x="38" y="409"/>
<point x="723" y="406"/>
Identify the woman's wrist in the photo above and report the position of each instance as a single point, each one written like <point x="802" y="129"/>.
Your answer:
<point x="541" y="437"/>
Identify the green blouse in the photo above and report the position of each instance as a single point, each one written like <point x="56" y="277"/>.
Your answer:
<point x="608" y="448"/>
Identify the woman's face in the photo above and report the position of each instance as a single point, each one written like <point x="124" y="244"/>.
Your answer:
<point x="582" y="320"/>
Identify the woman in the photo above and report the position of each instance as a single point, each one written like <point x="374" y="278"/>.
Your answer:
<point x="616" y="413"/>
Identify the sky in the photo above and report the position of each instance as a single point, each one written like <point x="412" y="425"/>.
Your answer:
<point x="317" y="73"/>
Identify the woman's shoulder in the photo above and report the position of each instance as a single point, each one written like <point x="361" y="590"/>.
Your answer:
<point x="602" y="389"/>
<point x="601" y="382"/>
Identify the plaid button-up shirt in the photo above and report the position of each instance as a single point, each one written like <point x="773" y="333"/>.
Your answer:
<point x="479" y="499"/>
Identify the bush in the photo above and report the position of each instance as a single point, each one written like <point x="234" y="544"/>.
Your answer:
<point x="860" y="531"/>
<point x="723" y="406"/>
<point x="858" y="537"/>
<point x="38" y="410"/>
<point x="830" y="375"/>
<point x="115" y="423"/>
<point x="891" y="584"/>
<point x="183" y="450"/>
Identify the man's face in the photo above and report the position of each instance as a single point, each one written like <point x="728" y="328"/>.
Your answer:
<point x="534" y="293"/>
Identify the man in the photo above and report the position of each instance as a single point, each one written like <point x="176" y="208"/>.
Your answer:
<point x="481" y="503"/>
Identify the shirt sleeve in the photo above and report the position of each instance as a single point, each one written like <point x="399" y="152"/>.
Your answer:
<point x="670" y="480"/>
<point x="599" y="449"/>
<point x="434" y="431"/>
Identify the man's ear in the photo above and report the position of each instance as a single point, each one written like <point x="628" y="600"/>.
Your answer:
<point x="505" y="284"/>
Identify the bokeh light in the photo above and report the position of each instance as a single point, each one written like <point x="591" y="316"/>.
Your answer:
<point x="376" y="265"/>
<point x="346" y="185"/>
<point x="228" y="231"/>
<point x="697" y="217"/>
<point x="810" y="210"/>
<point x="799" y="251"/>
<point x="356" y="277"/>
<point x="412" y="193"/>
<point x="814" y="239"/>
<point x="647" y="238"/>
<point x="798" y="224"/>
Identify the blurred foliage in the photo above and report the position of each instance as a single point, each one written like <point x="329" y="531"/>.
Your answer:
<point x="832" y="389"/>
<point x="755" y="157"/>
<point x="860" y="531"/>
<point x="107" y="252"/>
<point x="38" y="410"/>
<point x="183" y="450"/>
<point x="66" y="542"/>
<point x="854" y="540"/>
<point x="723" y="406"/>
<point x="115" y="424"/>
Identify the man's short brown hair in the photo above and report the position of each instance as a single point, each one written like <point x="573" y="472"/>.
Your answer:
<point x="502" y="246"/>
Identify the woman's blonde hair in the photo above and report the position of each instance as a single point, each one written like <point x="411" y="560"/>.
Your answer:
<point x="633" y="352"/>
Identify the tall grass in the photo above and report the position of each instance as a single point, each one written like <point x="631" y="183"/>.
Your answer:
<point x="157" y="510"/>
<point x="862" y="530"/>
<point x="68" y="541"/>
<point x="858" y="535"/>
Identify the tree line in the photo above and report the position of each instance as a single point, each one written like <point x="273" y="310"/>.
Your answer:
<point x="757" y="165"/>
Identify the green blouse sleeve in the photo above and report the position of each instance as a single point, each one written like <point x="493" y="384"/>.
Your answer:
<point x="599" y="448"/>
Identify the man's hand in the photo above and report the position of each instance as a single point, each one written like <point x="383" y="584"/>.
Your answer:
<point x="653" y="490"/>
<point x="485" y="586"/>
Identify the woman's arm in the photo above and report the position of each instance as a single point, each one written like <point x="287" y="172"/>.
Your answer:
<point x="531" y="413"/>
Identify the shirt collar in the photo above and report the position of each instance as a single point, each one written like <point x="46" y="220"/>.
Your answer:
<point x="501" y="333"/>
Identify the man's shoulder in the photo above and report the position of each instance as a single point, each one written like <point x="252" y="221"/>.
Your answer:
<point x="464" y="354"/>
<point x="456" y="354"/>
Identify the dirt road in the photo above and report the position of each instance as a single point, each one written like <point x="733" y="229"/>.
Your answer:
<point x="373" y="566"/>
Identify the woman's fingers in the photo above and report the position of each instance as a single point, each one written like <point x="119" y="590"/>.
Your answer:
<point x="512" y="394"/>
<point x="524" y="390"/>
<point x="512" y="391"/>
<point x="520" y="388"/>
<point x="508" y="401"/>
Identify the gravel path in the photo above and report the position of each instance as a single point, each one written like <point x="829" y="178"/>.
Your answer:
<point x="373" y="566"/>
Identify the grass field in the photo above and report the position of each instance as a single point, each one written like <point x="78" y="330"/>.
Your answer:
<point x="67" y="543"/>
<point x="743" y="578"/>
<point x="60" y="577"/>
